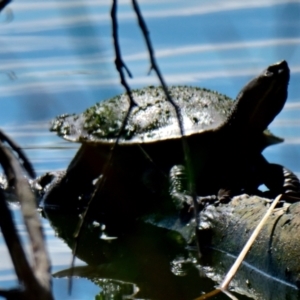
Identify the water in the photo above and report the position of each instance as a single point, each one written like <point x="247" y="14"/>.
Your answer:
<point x="57" y="57"/>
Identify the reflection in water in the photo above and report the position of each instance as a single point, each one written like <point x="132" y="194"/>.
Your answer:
<point x="154" y="263"/>
<point x="141" y="259"/>
<point x="60" y="258"/>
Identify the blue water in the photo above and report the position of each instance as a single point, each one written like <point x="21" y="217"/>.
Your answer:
<point x="57" y="57"/>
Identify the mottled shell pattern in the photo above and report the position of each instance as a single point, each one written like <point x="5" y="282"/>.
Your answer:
<point x="153" y="119"/>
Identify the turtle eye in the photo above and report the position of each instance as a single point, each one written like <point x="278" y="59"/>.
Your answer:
<point x="268" y="73"/>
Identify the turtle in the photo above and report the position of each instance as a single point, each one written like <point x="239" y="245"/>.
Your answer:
<point x="225" y="139"/>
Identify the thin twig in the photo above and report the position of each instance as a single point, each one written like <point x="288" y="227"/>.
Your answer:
<point x="155" y="68"/>
<point x="230" y="295"/>
<point x="186" y="150"/>
<point x="224" y="285"/>
<point x="119" y="63"/>
<point x="209" y="295"/>
<point x="248" y="245"/>
<point x="120" y="66"/>
<point x="215" y="293"/>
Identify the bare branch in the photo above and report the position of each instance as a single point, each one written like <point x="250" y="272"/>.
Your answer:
<point x="25" y="162"/>
<point x="153" y="64"/>
<point x="120" y="65"/>
<point x="3" y="3"/>
<point x="155" y="68"/>
<point x="37" y="282"/>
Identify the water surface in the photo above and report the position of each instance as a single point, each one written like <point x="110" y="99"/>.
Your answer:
<point x="57" y="57"/>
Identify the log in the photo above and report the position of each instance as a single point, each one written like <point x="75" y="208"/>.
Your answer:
<point x="276" y="251"/>
<point x="271" y="269"/>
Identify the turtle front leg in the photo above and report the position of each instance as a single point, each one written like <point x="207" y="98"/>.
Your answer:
<point x="182" y="196"/>
<point x="178" y="188"/>
<point x="225" y="195"/>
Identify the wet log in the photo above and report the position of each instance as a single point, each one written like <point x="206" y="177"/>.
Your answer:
<point x="276" y="251"/>
<point x="271" y="270"/>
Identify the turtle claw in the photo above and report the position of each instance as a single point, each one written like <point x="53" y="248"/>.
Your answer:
<point x="291" y="186"/>
<point x="225" y="195"/>
<point x="206" y="200"/>
<point x="291" y="197"/>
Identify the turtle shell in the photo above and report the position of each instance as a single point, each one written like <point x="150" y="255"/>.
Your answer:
<point x="153" y="119"/>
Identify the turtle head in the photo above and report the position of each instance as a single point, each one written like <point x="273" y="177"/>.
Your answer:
<point x="261" y="99"/>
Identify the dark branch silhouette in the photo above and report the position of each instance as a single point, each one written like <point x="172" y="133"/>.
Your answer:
<point x="3" y="3"/>
<point x="119" y="63"/>
<point x="25" y="161"/>
<point x="121" y="66"/>
<point x="155" y="68"/>
<point x="36" y="281"/>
